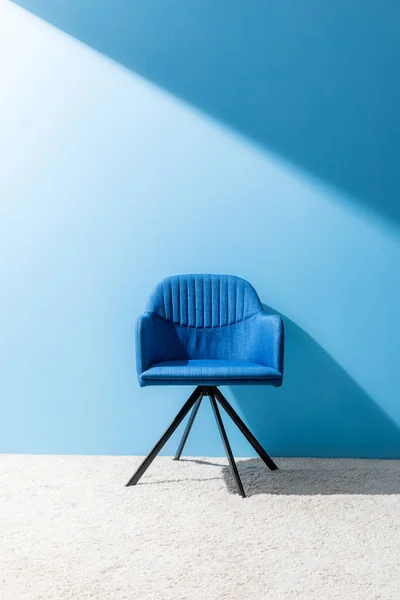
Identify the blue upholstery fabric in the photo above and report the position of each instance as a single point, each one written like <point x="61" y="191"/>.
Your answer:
<point x="204" y="300"/>
<point x="208" y="371"/>
<point x="210" y="330"/>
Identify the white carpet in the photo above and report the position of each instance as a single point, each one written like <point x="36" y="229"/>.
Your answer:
<point x="315" y="529"/>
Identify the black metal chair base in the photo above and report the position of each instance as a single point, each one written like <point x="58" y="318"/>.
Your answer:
<point x="194" y="403"/>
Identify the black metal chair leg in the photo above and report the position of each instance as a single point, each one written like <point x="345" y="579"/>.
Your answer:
<point x="163" y="440"/>
<point x="227" y="446"/>
<point x="244" y="429"/>
<point x="188" y="428"/>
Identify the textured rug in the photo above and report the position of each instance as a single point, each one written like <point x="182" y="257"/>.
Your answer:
<point x="315" y="529"/>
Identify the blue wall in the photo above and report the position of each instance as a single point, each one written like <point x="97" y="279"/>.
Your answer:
<point x="142" y="139"/>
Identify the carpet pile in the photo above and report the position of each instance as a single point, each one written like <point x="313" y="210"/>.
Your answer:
<point x="315" y="530"/>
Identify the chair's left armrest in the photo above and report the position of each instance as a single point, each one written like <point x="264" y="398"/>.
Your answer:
<point x="153" y="337"/>
<point x="268" y="341"/>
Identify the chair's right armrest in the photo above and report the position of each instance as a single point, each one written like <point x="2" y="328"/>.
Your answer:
<point x="268" y="341"/>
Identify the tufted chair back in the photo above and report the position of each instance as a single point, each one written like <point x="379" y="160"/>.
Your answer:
<point x="204" y="301"/>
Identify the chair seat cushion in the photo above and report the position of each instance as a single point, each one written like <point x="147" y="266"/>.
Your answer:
<point x="211" y="372"/>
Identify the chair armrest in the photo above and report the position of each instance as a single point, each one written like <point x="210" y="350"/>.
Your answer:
<point x="268" y="341"/>
<point x="149" y="332"/>
<point x="154" y="341"/>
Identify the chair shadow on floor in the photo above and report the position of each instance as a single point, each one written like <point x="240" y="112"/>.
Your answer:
<point x="310" y="477"/>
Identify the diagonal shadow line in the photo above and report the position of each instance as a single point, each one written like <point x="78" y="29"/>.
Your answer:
<point x="330" y="142"/>
<point x="325" y="99"/>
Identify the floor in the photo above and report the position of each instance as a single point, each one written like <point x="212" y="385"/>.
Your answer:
<point x="315" y="529"/>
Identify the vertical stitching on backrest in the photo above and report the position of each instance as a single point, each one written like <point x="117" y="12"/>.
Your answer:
<point x="236" y="300"/>
<point x="194" y="303"/>
<point x="219" y="300"/>
<point x="179" y="301"/>
<point x="227" y="293"/>
<point x="202" y="294"/>
<point x="187" y="302"/>
<point x="243" y="300"/>
<point x="170" y="301"/>
<point x="211" y="304"/>
<point x="163" y="295"/>
<point x="226" y="288"/>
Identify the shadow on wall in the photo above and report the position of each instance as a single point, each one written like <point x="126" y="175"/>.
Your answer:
<point x="316" y="82"/>
<point x="319" y="410"/>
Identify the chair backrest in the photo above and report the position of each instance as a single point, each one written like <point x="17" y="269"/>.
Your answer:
<point x="204" y="301"/>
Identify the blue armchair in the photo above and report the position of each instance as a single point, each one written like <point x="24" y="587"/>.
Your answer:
<point x="207" y="331"/>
